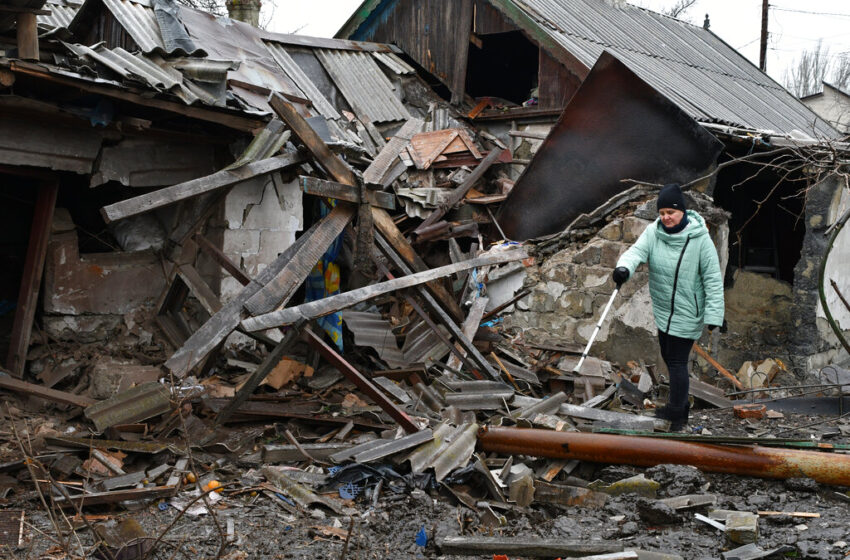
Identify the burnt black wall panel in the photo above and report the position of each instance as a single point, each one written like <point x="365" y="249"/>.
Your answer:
<point x="615" y="127"/>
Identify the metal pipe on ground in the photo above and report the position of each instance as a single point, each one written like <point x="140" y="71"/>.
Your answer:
<point x="745" y="460"/>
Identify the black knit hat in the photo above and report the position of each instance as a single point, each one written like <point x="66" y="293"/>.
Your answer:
<point x="670" y="196"/>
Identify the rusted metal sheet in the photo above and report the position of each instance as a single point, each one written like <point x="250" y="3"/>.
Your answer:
<point x="136" y="404"/>
<point x="745" y="460"/>
<point x="615" y="128"/>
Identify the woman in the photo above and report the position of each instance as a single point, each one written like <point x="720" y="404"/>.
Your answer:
<point x="686" y="288"/>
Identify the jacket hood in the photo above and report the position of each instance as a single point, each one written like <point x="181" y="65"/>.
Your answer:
<point x="695" y="228"/>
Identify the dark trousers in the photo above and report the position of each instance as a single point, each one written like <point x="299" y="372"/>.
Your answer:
<point x="675" y="351"/>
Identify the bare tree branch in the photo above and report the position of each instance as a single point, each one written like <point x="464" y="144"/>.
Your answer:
<point x="677" y="9"/>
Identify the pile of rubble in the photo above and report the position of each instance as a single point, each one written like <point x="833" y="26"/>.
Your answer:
<point x="438" y="429"/>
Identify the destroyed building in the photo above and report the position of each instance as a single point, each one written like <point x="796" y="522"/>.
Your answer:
<point x="519" y="63"/>
<point x="375" y="259"/>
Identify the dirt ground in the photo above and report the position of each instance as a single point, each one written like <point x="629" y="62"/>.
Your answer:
<point x="265" y="527"/>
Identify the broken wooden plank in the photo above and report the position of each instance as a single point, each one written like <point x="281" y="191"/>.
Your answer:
<point x="340" y="191"/>
<point x="331" y="304"/>
<point x="709" y="394"/>
<point x="385" y="224"/>
<point x="42" y="221"/>
<point x="220" y="325"/>
<point x="170" y="195"/>
<point x="279" y="289"/>
<point x="10" y="383"/>
<point x="531" y="546"/>
<point x="223" y="261"/>
<point x="207" y="298"/>
<point x="362" y="383"/>
<point x="115" y="496"/>
<point x="305" y="134"/>
<point x="458" y="194"/>
<point x="267" y="365"/>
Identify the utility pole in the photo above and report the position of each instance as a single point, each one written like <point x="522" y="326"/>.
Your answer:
<point x="763" y="46"/>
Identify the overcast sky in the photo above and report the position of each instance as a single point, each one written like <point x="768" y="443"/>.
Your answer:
<point x="794" y="25"/>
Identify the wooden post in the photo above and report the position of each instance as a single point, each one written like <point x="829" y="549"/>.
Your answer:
<point x="42" y="221"/>
<point x="27" y="36"/>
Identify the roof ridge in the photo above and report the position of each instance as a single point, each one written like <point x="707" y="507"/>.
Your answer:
<point x="543" y="22"/>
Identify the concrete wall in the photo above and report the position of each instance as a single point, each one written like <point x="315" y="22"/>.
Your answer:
<point x="257" y="222"/>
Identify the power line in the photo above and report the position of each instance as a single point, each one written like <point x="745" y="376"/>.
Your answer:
<point x="809" y="12"/>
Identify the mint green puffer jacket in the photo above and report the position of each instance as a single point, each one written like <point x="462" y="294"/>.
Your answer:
<point x="684" y="276"/>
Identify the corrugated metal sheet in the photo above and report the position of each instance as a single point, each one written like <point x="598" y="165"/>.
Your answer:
<point x="129" y="66"/>
<point x="297" y="75"/>
<point x="450" y="449"/>
<point x="394" y="63"/>
<point x="138" y="18"/>
<point x="421" y="343"/>
<point x="704" y="76"/>
<point x="62" y="13"/>
<point x="364" y="85"/>
<point x="133" y="405"/>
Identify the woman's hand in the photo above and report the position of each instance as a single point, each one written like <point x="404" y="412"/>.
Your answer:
<point x="620" y="275"/>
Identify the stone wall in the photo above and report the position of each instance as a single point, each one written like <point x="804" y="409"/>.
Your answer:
<point x="814" y="344"/>
<point x="570" y="290"/>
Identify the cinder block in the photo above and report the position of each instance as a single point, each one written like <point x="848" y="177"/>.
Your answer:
<point x="241" y="241"/>
<point x="240" y="197"/>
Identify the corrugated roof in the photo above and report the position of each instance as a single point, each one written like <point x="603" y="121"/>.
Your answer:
<point x="364" y="85"/>
<point x="61" y="14"/>
<point x="297" y="75"/>
<point x="694" y="68"/>
<point x="394" y="63"/>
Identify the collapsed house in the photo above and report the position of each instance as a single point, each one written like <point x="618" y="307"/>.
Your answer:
<point x="250" y="249"/>
<point x="518" y="64"/>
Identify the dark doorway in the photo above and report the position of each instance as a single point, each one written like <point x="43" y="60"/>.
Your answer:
<point x="767" y="226"/>
<point x="505" y="66"/>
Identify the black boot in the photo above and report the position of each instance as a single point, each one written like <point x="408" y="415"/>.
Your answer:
<point x="666" y="412"/>
<point x="679" y="418"/>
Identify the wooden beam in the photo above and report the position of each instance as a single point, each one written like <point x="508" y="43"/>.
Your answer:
<point x="360" y="381"/>
<point x="227" y="119"/>
<point x="268" y="364"/>
<point x="339" y="191"/>
<point x="458" y="194"/>
<point x="332" y="304"/>
<point x="170" y="195"/>
<point x="9" y="383"/>
<point x="385" y="224"/>
<point x="461" y="54"/>
<point x="223" y="261"/>
<point x="278" y="290"/>
<point x="42" y="221"/>
<point x="24" y="10"/>
<point x="305" y="134"/>
<point x="220" y="325"/>
<point x="27" y="28"/>
<point x="340" y="171"/>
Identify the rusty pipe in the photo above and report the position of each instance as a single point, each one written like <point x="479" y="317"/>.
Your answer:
<point x="746" y="460"/>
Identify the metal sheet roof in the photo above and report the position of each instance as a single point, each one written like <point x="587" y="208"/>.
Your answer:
<point x="61" y="14"/>
<point x="364" y="85"/>
<point x="297" y="75"/>
<point x="694" y="68"/>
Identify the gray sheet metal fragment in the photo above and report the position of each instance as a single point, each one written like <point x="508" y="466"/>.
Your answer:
<point x="299" y="493"/>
